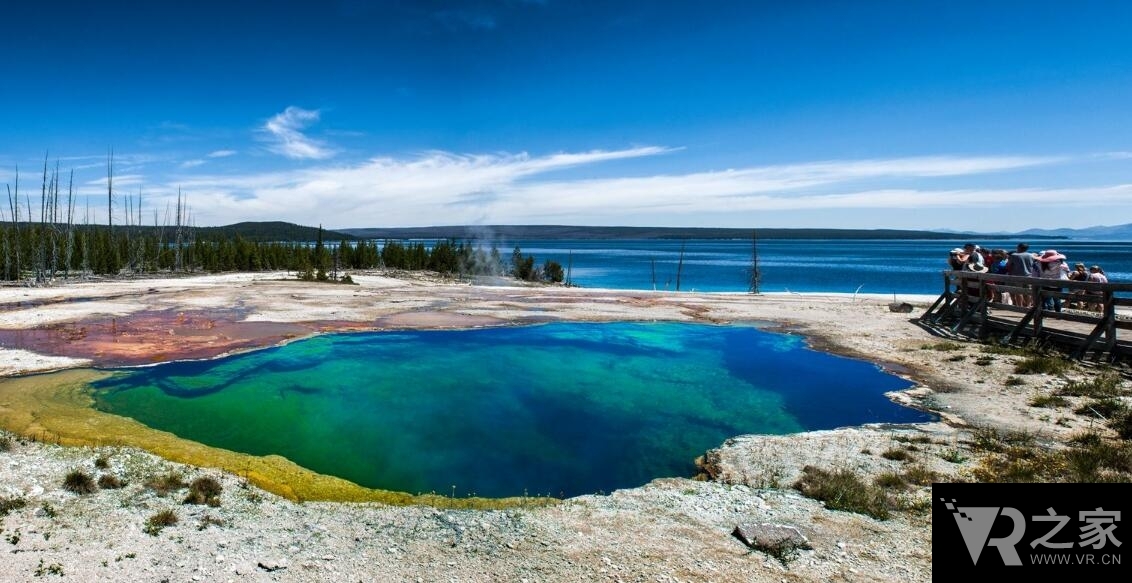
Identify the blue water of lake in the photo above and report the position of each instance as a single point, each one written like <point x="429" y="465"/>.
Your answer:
<point x="844" y="266"/>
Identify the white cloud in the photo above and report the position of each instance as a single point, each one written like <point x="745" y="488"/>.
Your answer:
<point x="193" y="163"/>
<point x="285" y="132"/>
<point x="445" y="188"/>
<point x="221" y="153"/>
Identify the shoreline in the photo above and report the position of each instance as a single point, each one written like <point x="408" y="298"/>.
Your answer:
<point x="675" y="528"/>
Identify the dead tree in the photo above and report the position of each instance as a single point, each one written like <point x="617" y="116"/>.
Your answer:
<point x="755" y="275"/>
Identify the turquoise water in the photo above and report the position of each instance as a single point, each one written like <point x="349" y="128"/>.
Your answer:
<point x="558" y="409"/>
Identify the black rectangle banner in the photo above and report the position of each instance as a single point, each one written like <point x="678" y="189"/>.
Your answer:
<point x="1017" y="528"/>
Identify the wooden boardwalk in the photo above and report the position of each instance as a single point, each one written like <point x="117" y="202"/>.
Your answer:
<point x="972" y="304"/>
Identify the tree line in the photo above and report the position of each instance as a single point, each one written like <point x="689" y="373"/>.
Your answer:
<point x="39" y="245"/>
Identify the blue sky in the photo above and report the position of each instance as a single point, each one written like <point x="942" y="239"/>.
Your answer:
<point x="985" y="116"/>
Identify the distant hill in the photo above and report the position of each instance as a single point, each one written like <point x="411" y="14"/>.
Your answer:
<point x="269" y="231"/>
<point x="1099" y="233"/>
<point x="552" y="232"/>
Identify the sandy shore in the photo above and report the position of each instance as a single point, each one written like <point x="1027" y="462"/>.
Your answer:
<point x="673" y="529"/>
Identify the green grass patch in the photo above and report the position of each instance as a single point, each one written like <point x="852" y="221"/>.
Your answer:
<point x="1049" y="401"/>
<point x="896" y="454"/>
<point x="942" y="346"/>
<point x="160" y="520"/>
<point x="844" y="490"/>
<point x="890" y="481"/>
<point x="1105" y="408"/>
<point x="1098" y="387"/>
<point x="1042" y="364"/>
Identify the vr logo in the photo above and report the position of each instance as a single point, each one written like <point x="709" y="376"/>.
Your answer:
<point x="975" y="523"/>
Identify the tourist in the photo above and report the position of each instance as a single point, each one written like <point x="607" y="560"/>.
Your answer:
<point x="1096" y="275"/>
<point x="976" y="254"/>
<point x="1021" y="263"/>
<point x="1078" y="274"/>
<point x="998" y="266"/>
<point x="1053" y="267"/>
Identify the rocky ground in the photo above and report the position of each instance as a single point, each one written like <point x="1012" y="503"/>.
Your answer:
<point x="673" y="529"/>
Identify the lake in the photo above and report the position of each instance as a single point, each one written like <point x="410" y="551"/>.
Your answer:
<point x="808" y="265"/>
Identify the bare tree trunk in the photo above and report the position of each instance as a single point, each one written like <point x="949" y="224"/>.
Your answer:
<point x="756" y="275"/>
<point x="68" y="255"/>
<point x="14" y="204"/>
<point x="680" y="264"/>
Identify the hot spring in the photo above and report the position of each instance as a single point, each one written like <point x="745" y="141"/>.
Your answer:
<point x="557" y="409"/>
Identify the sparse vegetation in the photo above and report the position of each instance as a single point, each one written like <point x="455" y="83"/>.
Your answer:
<point x="1014" y="457"/>
<point x="52" y="569"/>
<point x="1014" y="381"/>
<point x="204" y="490"/>
<point x="102" y="462"/>
<point x="208" y="521"/>
<point x="5" y="443"/>
<point x="890" y="481"/>
<point x="160" y="520"/>
<point x="1052" y="364"/>
<point x="79" y="482"/>
<point x="1103" y="408"/>
<point x="109" y="482"/>
<point x="165" y="484"/>
<point x="984" y="361"/>
<point x="1100" y="386"/>
<point x="896" y="454"/>
<point x="1049" y="401"/>
<point x="943" y="346"/>
<point x="953" y="455"/>
<point x="957" y="358"/>
<point x="843" y="489"/>
<point x="9" y="504"/>
<point x="920" y="475"/>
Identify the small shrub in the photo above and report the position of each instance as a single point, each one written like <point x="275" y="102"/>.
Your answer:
<point x="957" y="358"/>
<point x="160" y="520"/>
<point x="890" y="481"/>
<point x="5" y="443"/>
<point x="163" y="485"/>
<point x="1051" y="364"/>
<point x="204" y="490"/>
<point x="346" y="279"/>
<point x="1122" y="424"/>
<point x="844" y="490"/>
<point x="1049" y="401"/>
<point x="953" y="455"/>
<point x="1106" y="408"/>
<point x="992" y="440"/>
<point x="942" y="346"/>
<point x="984" y="361"/>
<point x="79" y="482"/>
<point x="1014" y="382"/>
<point x="102" y="462"/>
<point x="48" y="510"/>
<point x="1101" y="386"/>
<point x="208" y="521"/>
<point x="920" y="476"/>
<point x="9" y="504"/>
<point x="52" y="569"/>
<point x="896" y="454"/>
<point x="109" y="482"/>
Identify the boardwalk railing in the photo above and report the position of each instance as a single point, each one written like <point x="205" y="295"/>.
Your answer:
<point x="982" y="303"/>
